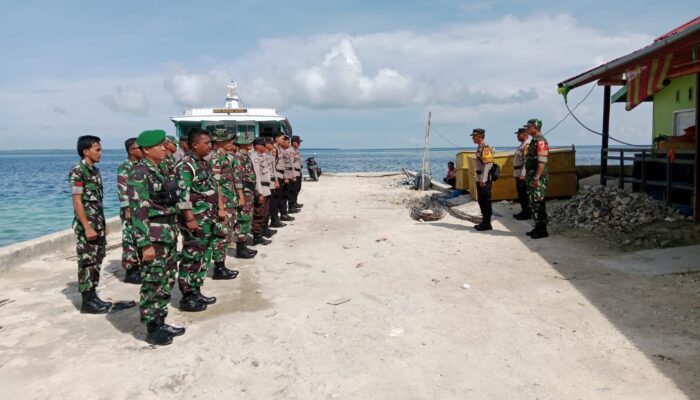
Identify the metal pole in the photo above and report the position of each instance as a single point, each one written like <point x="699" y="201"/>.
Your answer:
<point x="606" y="134"/>
<point x="426" y="162"/>
<point x="696" y="187"/>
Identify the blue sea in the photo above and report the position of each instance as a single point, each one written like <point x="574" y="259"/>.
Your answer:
<point x="36" y="199"/>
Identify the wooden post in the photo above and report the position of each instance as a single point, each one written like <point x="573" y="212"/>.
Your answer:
<point x="606" y="134"/>
<point x="696" y="187"/>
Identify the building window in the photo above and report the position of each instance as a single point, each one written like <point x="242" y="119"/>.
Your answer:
<point x="681" y="120"/>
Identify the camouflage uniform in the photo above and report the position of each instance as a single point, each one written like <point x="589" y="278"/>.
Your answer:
<point x="537" y="152"/>
<point x="198" y="192"/>
<point x="154" y="225"/>
<point x="86" y="181"/>
<point x="229" y="179"/>
<point x="245" y="214"/>
<point x="168" y="165"/>
<point x="130" y="257"/>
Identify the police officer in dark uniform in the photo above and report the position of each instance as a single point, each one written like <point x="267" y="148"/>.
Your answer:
<point x="484" y="163"/>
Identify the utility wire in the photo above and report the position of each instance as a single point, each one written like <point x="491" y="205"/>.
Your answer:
<point x="571" y="112"/>
<point x="598" y="133"/>
<point x="444" y="138"/>
<point x="575" y="107"/>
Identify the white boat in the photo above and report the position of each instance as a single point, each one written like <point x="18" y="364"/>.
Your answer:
<point x="234" y="116"/>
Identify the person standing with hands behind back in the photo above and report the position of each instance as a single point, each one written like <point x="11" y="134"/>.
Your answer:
<point x="153" y="195"/>
<point x="89" y="223"/>
<point x="484" y="163"/>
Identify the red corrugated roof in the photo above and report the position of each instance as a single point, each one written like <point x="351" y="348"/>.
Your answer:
<point x="679" y="29"/>
<point x="688" y="25"/>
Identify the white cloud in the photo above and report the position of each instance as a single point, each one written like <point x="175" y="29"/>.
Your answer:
<point x="197" y="89"/>
<point x="128" y="100"/>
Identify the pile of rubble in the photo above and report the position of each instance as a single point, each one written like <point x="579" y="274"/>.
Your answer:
<point x="609" y="209"/>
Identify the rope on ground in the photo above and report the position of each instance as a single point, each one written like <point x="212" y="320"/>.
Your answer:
<point x="433" y="207"/>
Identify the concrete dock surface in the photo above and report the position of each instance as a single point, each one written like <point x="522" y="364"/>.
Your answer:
<point x="354" y="300"/>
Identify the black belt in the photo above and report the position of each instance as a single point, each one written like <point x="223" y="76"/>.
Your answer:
<point x="288" y="169"/>
<point x="163" y="219"/>
<point x="478" y="172"/>
<point x="265" y="183"/>
<point x="520" y="167"/>
<point x="280" y="170"/>
<point x="297" y="169"/>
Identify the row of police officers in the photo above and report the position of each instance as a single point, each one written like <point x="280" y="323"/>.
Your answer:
<point x="531" y="176"/>
<point x="210" y="193"/>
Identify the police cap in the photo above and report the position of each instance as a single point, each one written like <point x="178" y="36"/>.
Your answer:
<point x="296" y="139"/>
<point x="521" y="130"/>
<point x="478" y="131"/>
<point x="259" y="141"/>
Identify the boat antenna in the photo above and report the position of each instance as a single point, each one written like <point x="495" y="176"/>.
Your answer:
<point x="425" y="171"/>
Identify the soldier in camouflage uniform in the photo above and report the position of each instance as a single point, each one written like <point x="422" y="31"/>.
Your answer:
<point x="168" y="165"/>
<point x="199" y="208"/>
<point x="153" y="197"/>
<point x="130" y="259"/>
<point x="245" y="212"/>
<point x="231" y="187"/>
<point x="89" y="223"/>
<point x="537" y="177"/>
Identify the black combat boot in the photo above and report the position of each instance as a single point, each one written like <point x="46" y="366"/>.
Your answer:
<point x="173" y="330"/>
<point x="189" y="303"/>
<point x="485" y="225"/>
<point x="133" y="275"/>
<point x="529" y="233"/>
<point x="297" y="205"/>
<point x="158" y="335"/>
<point x="268" y="233"/>
<point x="259" y="239"/>
<point x="223" y="273"/>
<point x="277" y="224"/>
<point x="202" y="299"/>
<point x="287" y="217"/>
<point x="293" y="210"/>
<point x="522" y="216"/>
<point x="92" y="304"/>
<point x="540" y="231"/>
<point x="242" y="251"/>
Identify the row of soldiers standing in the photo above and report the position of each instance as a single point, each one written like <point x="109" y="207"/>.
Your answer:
<point x="211" y="196"/>
<point x="531" y="177"/>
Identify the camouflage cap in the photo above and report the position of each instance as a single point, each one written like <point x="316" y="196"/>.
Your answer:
<point x="150" y="138"/>
<point x="222" y="135"/>
<point x="536" y="122"/>
<point x="244" y="138"/>
<point x="171" y="139"/>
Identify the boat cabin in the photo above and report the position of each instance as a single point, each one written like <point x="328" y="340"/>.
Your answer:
<point x="234" y="116"/>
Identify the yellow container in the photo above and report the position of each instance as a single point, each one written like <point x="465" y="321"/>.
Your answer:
<point x="562" y="175"/>
<point x="462" y="179"/>
<point x="463" y="159"/>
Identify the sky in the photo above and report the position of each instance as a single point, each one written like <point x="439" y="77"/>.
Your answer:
<point x="347" y="73"/>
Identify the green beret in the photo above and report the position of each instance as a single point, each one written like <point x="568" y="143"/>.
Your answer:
<point x="150" y="138"/>
<point x="222" y="135"/>
<point x="171" y="139"/>
<point x="535" y="122"/>
<point x="243" y="138"/>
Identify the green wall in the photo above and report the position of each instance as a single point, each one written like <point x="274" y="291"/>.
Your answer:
<point x="676" y="96"/>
